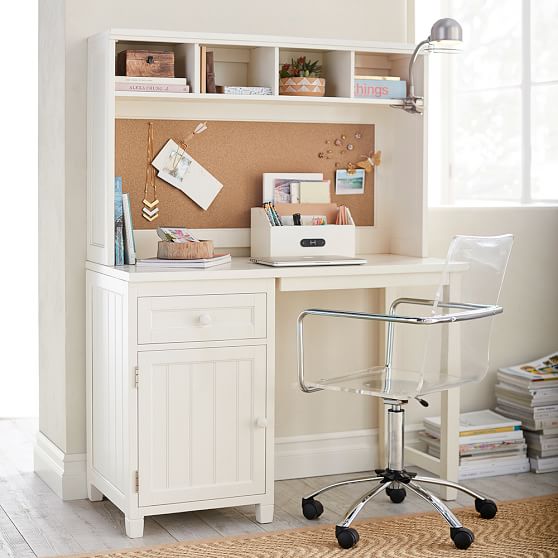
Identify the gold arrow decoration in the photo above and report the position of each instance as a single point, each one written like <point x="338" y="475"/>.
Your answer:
<point x="150" y="205"/>
<point x="150" y="184"/>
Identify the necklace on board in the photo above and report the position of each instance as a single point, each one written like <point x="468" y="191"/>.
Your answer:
<point x="150" y="211"/>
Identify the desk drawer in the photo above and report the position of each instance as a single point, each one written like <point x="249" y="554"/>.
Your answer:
<point x="179" y="319"/>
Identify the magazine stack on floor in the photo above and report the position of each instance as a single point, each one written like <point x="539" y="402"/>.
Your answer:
<point x="489" y="444"/>
<point x="529" y="392"/>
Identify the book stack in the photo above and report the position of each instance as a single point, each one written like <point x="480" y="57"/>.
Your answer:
<point x="489" y="444"/>
<point x="200" y="263"/>
<point x="151" y="84"/>
<point x="379" y="87"/>
<point x="529" y="392"/>
<point x="124" y="244"/>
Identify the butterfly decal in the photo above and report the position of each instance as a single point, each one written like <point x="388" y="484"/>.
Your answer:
<point x="373" y="159"/>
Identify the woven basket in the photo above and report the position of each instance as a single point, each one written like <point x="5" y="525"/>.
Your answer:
<point x="185" y="250"/>
<point x="307" y="86"/>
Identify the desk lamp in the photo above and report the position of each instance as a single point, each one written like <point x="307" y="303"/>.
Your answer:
<point x="445" y="36"/>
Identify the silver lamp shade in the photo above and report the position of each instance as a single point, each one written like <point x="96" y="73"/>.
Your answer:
<point x="446" y="35"/>
<point x="446" y="29"/>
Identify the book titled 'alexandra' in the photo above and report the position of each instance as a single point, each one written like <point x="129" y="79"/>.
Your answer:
<point x="380" y="89"/>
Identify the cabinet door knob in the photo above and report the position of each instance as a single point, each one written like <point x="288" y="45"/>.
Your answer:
<point x="261" y="422"/>
<point x="204" y="319"/>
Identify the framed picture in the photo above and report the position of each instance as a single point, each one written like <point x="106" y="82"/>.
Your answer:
<point x="282" y="187"/>
<point x="352" y="183"/>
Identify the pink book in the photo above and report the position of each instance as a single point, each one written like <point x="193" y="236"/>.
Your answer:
<point x="152" y="87"/>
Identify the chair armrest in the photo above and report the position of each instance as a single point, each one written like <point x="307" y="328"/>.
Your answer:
<point x="470" y="312"/>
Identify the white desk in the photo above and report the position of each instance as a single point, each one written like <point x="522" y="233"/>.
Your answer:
<point x="167" y="347"/>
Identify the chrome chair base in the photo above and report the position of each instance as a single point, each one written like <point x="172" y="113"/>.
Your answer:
<point x="396" y="481"/>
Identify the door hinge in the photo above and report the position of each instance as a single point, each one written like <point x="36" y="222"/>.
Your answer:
<point x="137" y="376"/>
<point x="137" y="481"/>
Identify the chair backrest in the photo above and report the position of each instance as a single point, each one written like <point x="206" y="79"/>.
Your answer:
<point x="475" y="269"/>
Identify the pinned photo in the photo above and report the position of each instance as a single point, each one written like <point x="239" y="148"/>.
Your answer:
<point x="349" y="182"/>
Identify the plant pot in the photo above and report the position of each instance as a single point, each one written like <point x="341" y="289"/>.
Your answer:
<point x="307" y="86"/>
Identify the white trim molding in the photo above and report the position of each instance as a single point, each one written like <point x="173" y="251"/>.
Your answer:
<point x="64" y="473"/>
<point x="334" y="453"/>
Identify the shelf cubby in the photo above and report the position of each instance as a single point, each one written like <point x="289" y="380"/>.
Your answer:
<point x="185" y="63"/>
<point x="336" y="67"/>
<point x="245" y="66"/>
<point x="383" y="64"/>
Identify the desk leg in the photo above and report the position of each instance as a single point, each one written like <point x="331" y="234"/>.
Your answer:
<point x="449" y="441"/>
<point x="387" y="296"/>
<point x="449" y="447"/>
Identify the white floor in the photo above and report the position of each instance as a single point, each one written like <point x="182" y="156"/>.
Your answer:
<point x="34" y="522"/>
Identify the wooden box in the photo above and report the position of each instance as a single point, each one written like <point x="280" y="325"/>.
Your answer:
<point x="145" y="63"/>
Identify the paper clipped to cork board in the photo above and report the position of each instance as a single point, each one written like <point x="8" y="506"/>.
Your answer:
<point x="182" y="171"/>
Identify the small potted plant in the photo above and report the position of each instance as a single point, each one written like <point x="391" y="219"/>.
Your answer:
<point x="301" y="77"/>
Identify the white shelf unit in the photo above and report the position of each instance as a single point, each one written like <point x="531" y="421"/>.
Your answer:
<point x="140" y="373"/>
<point x="399" y="204"/>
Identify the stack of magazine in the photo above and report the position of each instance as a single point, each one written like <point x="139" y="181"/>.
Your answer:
<point x="529" y="392"/>
<point x="489" y="444"/>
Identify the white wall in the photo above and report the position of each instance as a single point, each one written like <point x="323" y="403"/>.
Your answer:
<point x="528" y="328"/>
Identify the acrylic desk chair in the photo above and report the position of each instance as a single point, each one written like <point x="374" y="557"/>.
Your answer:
<point x="482" y="263"/>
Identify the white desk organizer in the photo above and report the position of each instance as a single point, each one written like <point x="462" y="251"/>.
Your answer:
<point x="317" y="240"/>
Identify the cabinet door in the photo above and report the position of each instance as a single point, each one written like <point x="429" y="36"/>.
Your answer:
<point x="198" y="412"/>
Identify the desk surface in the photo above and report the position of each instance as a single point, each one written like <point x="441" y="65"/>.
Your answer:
<point x="323" y="277"/>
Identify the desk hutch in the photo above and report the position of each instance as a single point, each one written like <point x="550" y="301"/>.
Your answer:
<point x="180" y="363"/>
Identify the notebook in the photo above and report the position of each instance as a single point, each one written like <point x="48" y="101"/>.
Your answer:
<point x="300" y="261"/>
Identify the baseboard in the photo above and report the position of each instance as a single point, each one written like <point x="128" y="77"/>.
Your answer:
<point x="333" y="453"/>
<point x="325" y="454"/>
<point x="64" y="473"/>
<point x="295" y="457"/>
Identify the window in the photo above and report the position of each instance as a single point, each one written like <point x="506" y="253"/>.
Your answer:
<point x="494" y="104"/>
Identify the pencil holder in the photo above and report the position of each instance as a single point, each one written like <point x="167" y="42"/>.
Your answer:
<point x="318" y="240"/>
<point x="185" y="250"/>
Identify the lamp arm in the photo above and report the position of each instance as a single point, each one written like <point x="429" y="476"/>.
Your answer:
<point x="412" y="63"/>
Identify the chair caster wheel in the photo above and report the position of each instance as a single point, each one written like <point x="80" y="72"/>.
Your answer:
<point x="396" y="495"/>
<point x="486" y="508"/>
<point x="347" y="537"/>
<point x="311" y="509"/>
<point x="462" y="537"/>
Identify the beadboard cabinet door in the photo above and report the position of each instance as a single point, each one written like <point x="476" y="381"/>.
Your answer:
<point x="202" y="424"/>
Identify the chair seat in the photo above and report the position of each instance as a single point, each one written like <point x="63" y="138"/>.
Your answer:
<point x="393" y="383"/>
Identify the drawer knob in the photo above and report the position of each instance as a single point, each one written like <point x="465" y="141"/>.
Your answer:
<point x="261" y="422"/>
<point x="204" y="319"/>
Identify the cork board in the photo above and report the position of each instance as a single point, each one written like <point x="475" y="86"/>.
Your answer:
<point x="237" y="153"/>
